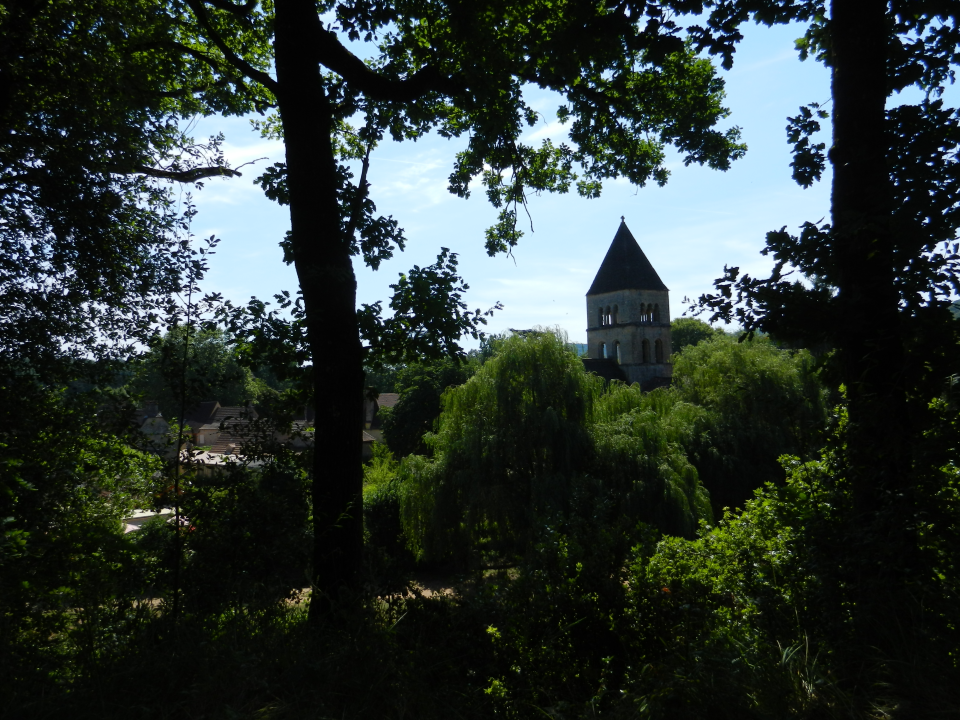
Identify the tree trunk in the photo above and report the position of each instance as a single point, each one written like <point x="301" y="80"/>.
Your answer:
<point x="325" y="270"/>
<point x="870" y="336"/>
<point x="878" y="551"/>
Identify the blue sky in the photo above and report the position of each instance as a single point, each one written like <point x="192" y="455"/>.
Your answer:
<point x="700" y="221"/>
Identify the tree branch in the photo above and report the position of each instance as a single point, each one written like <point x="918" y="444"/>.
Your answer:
<point x="184" y="176"/>
<point x="357" y="208"/>
<point x="197" y="54"/>
<point x="231" y="57"/>
<point x="333" y="55"/>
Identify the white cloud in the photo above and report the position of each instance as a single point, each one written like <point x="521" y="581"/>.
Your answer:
<point x="554" y="131"/>
<point x="237" y="154"/>
<point x="419" y="183"/>
<point x="780" y="57"/>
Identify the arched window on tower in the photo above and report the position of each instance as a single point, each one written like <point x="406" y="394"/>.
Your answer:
<point x="609" y="321"/>
<point x="600" y="316"/>
<point x="602" y="351"/>
<point x="643" y="312"/>
<point x="659" y="351"/>
<point x="646" y="350"/>
<point x="616" y="346"/>
<point x="616" y="311"/>
<point x="656" y="313"/>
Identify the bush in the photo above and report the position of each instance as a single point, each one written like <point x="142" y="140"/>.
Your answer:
<point x="246" y="535"/>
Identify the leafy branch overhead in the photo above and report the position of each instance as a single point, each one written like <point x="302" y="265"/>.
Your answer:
<point x="92" y="98"/>
<point x="630" y="82"/>
<point x="428" y="315"/>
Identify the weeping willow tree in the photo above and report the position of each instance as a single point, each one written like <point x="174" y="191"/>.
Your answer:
<point x="518" y="441"/>
<point x="640" y="445"/>
<point x="759" y="402"/>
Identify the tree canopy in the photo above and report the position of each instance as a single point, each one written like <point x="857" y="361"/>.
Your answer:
<point x="686" y="331"/>
<point x="528" y="436"/>
<point x="92" y="96"/>
<point x="420" y="386"/>
<point x="199" y="363"/>
<point x="760" y="403"/>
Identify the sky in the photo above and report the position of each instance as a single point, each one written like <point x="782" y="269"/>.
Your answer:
<point x="690" y="229"/>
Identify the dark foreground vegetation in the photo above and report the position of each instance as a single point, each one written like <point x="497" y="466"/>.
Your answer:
<point x="563" y="596"/>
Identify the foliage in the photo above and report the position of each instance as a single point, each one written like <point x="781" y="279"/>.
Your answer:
<point x="420" y="386"/>
<point x="91" y="94"/>
<point x="383" y="380"/>
<point x="381" y="468"/>
<point x="525" y="434"/>
<point x="203" y="363"/>
<point x="531" y="427"/>
<point x="385" y="541"/>
<point x="764" y="615"/>
<point x="875" y="283"/>
<point x="641" y="442"/>
<point x="508" y="447"/>
<point x="555" y="629"/>
<point x="663" y="630"/>
<point x="690" y="331"/>
<point x="429" y="315"/>
<point x="759" y="403"/>
<point x="600" y="616"/>
<point x="920" y="141"/>
<point x="70" y="575"/>
<point x="246" y="534"/>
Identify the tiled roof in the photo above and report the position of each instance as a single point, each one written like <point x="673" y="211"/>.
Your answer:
<point x="203" y="414"/>
<point x="625" y="267"/>
<point x="235" y="423"/>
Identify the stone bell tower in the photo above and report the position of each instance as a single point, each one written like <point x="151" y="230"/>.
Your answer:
<point x="628" y="313"/>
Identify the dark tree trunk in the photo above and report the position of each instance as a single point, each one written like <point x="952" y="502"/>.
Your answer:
<point x="870" y="336"/>
<point x="877" y="551"/>
<point x="325" y="270"/>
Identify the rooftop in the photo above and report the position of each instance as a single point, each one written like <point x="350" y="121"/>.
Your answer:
<point x="625" y="267"/>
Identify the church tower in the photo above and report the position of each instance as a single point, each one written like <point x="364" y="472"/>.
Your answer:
<point x="628" y="313"/>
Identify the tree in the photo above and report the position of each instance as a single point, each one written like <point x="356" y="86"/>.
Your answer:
<point x="510" y="444"/>
<point x="761" y="403"/>
<point x="207" y="370"/>
<point x="630" y="87"/>
<point x="90" y="98"/>
<point x="531" y="438"/>
<point x="882" y="273"/>
<point x="690" y="331"/>
<point x="881" y="277"/>
<point x="420" y="386"/>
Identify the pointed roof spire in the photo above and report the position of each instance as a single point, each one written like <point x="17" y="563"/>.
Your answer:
<point x="625" y="267"/>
